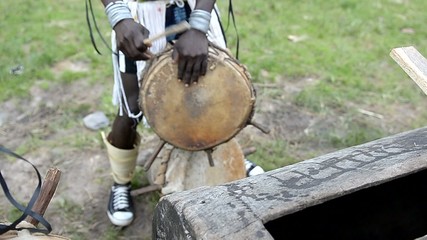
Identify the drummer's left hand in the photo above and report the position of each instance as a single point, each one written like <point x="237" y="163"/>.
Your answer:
<point x="191" y="54"/>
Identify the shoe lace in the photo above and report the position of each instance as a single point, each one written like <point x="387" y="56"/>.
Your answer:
<point x="121" y="197"/>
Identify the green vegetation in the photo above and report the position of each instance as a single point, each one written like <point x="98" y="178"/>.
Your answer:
<point x="343" y="45"/>
<point x="277" y="152"/>
<point x="39" y="34"/>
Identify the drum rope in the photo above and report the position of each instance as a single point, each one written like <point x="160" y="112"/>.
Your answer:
<point x="26" y="211"/>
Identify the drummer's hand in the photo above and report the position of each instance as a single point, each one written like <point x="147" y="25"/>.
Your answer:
<point x="130" y="37"/>
<point x="191" y="54"/>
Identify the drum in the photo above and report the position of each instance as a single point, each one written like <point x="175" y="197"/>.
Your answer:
<point x="177" y="170"/>
<point x="203" y="115"/>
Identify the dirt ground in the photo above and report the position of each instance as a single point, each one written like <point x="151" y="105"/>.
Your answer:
<point x="78" y="209"/>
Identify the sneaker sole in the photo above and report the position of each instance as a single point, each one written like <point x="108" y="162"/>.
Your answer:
<point x="117" y="222"/>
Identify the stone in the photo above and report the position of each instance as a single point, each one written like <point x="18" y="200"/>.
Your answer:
<point x="96" y="121"/>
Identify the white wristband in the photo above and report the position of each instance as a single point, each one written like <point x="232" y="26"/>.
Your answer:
<point x="200" y="20"/>
<point x="117" y="11"/>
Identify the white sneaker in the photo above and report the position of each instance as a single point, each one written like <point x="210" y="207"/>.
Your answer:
<point x="120" y="206"/>
<point x="252" y="169"/>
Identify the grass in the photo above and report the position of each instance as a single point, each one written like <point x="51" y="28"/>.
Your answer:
<point x="37" y="35"/>
<point x="345" y="46"/>
<point x="277" y="152"/>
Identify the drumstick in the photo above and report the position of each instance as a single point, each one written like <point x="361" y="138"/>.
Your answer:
<point x="174" y="29"/>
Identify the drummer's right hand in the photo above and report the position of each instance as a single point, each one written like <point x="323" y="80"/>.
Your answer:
<point x="130" y="37"/>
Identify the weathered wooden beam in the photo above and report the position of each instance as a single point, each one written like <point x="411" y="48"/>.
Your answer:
<point x="47" y="191"/>
<point x="241" y="209"/>
<point x="413" y="63"/>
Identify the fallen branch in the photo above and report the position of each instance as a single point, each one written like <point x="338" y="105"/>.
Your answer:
<point x="150" y="188"/>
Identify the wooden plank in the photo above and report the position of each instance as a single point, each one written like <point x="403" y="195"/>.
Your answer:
<point x="239" y="210"/>
<point x="413" y="63"/>
<point x="46" y="193"/>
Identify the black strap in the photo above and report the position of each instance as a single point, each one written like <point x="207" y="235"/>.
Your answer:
<point x="26" y="211"/>
<point x="231" y="13"/>
<point x="92" y="39"/>
<point x="89" y="8"/>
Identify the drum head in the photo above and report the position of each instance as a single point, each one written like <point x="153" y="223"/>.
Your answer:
<point x="202" y="115"/>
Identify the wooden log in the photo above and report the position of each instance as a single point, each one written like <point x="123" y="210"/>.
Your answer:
<point x="47" y="191"/>
<point x="243" y="209"/>
<point x="413" y="63"/>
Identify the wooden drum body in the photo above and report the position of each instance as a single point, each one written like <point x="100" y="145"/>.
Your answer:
<point x="203" y="115"/>
<point x="177" y="170"/>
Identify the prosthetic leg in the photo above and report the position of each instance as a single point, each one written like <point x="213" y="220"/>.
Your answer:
<point x="123" y="162"/>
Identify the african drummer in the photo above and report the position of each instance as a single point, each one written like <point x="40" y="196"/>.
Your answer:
<point x="133" y="21"/>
